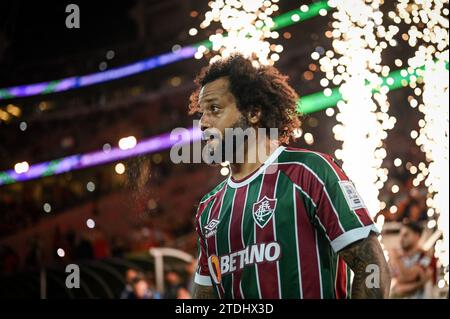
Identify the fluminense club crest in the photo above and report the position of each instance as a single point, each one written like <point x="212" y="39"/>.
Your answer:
<point x="263" y="210"/>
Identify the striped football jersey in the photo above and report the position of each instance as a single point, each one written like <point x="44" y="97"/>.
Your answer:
<point x="277" y="233"/>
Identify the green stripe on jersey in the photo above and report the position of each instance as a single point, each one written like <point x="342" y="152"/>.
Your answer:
<point x="328" y="176"/>
<point x="328" y="261"/>
<point x="214" y="191"/>
<point x="205" y="215"/>
<point x="222" y="239"/>
<point x="249" y="279"/>
<point x="286" y="230"/>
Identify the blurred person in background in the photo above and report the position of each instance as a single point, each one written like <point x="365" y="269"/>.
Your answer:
<point x="411" y="267"/>
<point x="173" y="285"/>
<point x="414" y="207"/>
<point x="84" y="249"/>
<point x="190" y="269"/>
<point x="183" y="293"/>
<point x="141" y="289"/>
<point x="130" y="275"/>
<point x="118" y="248"/>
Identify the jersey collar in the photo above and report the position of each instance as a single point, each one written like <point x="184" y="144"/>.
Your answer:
<point x="248" y="179"/>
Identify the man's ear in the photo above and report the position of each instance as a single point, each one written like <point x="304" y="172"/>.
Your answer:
<point x="254" y="116"/>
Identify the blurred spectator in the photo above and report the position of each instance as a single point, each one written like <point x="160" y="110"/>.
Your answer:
<point x="117" y="247"/>
<point x="141" y="289"/>
<point x="130" y="275"/>
<point x="411" y="267"/>
<point x="150" y="278"/>
<point x="183" y="293"/>
<point x="190" y="269"/>
<point x="414" y="207"/>
<point x="173" y="285"/>
<point x="84" y="248"/>
<point x="411" y="204"/>
<point x="415" y="211"/>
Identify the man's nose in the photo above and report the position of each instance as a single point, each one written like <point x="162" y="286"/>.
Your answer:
<point x="204" y="125"/>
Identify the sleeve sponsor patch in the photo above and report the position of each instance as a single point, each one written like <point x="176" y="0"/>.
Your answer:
<point x="352" y="197"/>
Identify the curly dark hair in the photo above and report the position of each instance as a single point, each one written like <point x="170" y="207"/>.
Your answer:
<point x="263" y="88"/>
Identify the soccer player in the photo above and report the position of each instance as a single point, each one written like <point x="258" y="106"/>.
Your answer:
<point x="289" y="224"/>
<point x="412" y="268"/>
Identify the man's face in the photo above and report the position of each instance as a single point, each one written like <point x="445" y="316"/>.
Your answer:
<point x="131" y="274"/>
<point x="218" y="111"/>
<point x="140" y="289"/>
<point x="408" y="238"/>
<point x="173" y="278"/>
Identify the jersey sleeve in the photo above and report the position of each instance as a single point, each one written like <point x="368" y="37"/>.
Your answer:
<point x="202" y="275"/>
<point x="338" y="207"/>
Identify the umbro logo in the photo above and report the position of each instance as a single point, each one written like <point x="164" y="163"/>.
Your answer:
<point x="211" y="228"/>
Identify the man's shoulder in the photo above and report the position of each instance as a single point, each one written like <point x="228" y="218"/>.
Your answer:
<point x="209" y="198"/>
<point x="312" y="159"/>
<point x="294" y="161"/>
<point x="210" y="195"/>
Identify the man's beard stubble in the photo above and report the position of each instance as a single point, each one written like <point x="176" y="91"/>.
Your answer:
<point x="241" y="123"/>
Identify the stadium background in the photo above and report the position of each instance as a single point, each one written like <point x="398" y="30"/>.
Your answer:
<point x="109" y="216"/>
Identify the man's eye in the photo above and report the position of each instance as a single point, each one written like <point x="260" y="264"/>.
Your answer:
<point x="215" y="109"/>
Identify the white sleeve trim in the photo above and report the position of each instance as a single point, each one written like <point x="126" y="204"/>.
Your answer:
<point x="202" y="280"/>
<point x="353" y="235"/>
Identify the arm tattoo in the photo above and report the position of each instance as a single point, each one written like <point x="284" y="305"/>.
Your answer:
<point x="358" y="256"/>
<point x="203" y="292"/>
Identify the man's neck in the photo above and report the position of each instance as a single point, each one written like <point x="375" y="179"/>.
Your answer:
<point x="242" y="170"/>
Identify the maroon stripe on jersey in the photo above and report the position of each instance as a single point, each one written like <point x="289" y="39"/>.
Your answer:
<point x="335" y="167"/>
<point x="362" y="213"/>
<point x="211" y="241"/>
<point x="308" y="253"/>
<point x="236" y="234"/>
<point x="313" y="187"/>
<point x="341" y="279"/>
<point x="267" y="271"/>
